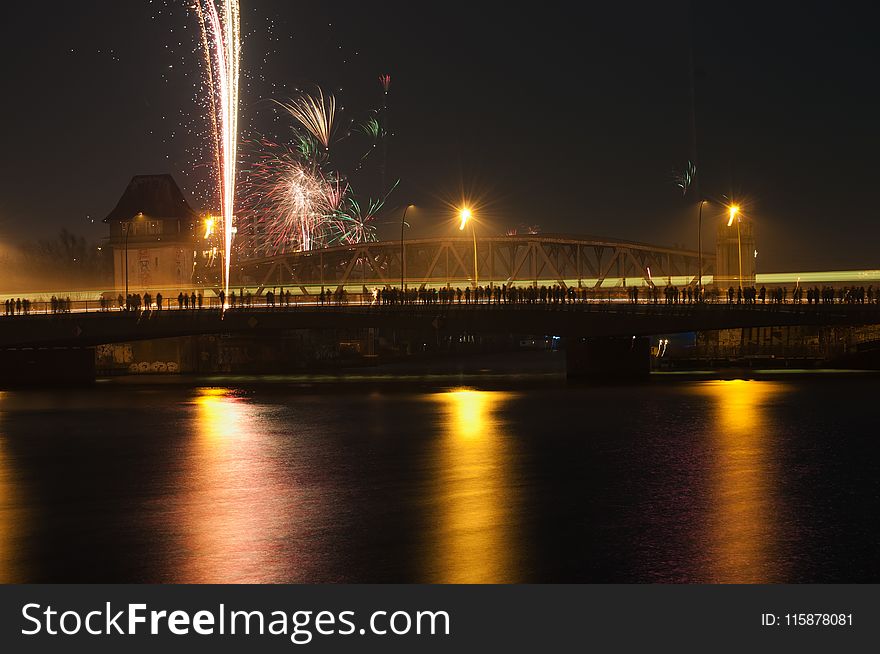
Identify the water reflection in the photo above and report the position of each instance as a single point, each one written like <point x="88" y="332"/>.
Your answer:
<point x="233" y="506"/>
<point x="743" y="530"/>
<point x="13" y="515"/>
<point x="473" y="501"/>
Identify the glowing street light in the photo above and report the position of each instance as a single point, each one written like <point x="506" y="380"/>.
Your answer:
<point x="700" y="248"/>
<point x="465" y="215"/>
<point x="734" y="212"/>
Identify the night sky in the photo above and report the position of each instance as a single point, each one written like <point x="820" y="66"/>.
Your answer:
<point x="573" y="122"/>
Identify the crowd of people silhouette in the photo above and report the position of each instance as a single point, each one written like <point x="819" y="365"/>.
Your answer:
<point x="504" y="294"/>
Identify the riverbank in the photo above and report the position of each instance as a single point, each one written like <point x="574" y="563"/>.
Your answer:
<point x="522" y="368"/>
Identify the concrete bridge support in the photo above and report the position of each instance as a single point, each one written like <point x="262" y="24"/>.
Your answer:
<point x="608" y="358"/>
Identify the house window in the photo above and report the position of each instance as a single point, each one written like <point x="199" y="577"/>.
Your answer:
<point x="141" y="227"/>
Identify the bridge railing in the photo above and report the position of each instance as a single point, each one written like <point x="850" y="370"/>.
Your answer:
<point x="393" y="297"/>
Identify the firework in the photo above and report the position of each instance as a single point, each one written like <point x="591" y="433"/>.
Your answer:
<point x="335" y="192"/>
<point x="291" y="205"/>
<point x="385" y="82"/>
<point x="315" y="114"/>
<point x="221" y="41"/>
<point x="293" y="197"/>
<point x="371" y="128"/>
<point x="287" y="201"/>
<point x="684" y="178"/>
<point x="373" y="131"/>
<point x="355" y="221"/>
<point x="308" y="147"/>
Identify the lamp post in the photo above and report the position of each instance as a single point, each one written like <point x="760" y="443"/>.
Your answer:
<point x="466" y="215"/>
<point x="734" y="211"/>
<point x="402" y="250"/>
<point x="700" y="248"/>
<point x="126" y="229"/>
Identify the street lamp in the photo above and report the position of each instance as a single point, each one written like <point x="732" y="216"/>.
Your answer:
<point x="734" y="212"/>
<point x="700" y="247"/>
<point x="402" y="251"/>
<point x="465" y="215"/>
<point x="126" y="228"/>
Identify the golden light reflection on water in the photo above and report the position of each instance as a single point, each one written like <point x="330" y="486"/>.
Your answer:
<point x="473" y="504"/>
<point x="220" y="415"/>
<point x="13" y="517"/>
<point x="234" y="507"/>
<point x="743" y="531"/>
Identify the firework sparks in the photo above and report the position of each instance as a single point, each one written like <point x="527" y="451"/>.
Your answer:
<point x="371" y="128"/>
<point x="315" y="114"/>
<point x="684" y="178"/>
<point x="221" y="39"/>
<point x="293" y="199"/>
<point x="288" y="203"/>
<point x="356" y="221"/>
<point x="291" y="205"/>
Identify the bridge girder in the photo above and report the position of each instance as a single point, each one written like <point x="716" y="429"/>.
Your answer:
<point x="521" y="260"/>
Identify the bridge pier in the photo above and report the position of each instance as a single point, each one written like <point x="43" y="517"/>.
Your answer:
<point x="610" y="358"/>
<point x="47" y="366"/>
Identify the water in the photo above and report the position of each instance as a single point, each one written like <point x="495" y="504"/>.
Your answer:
<point x="670" y="481"/>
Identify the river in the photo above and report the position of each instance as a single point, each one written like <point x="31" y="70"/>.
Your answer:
<point x="464" y="480"/>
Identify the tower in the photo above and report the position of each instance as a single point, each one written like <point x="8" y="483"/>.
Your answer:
<point x="152" y="232"/>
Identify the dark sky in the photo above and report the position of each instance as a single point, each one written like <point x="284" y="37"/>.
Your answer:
<point x="541" y="115"/>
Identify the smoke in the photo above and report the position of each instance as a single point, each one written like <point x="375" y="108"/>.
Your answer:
<point x="64" y="263"/>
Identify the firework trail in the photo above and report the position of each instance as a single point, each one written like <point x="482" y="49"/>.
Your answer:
<point x="685" y="178"/>
<point x="221" y="40"/>
<point x="385" y="83"/>
<point x="315" y="114"/>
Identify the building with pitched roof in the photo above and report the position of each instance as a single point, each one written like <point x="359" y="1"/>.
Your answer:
<point x="152" y="234"/>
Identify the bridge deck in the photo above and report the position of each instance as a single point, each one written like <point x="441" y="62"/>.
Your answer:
<point x="570" y="319"/>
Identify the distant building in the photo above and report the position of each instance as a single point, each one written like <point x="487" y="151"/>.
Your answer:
<point x="153" y="227"/>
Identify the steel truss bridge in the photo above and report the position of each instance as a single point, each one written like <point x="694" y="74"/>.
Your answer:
<point x="522" y="260"/>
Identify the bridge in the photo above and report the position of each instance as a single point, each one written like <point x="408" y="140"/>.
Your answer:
<point x="520" y="259"/>
<point x="589" y="308"/>
<point x="571" y="319"/>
